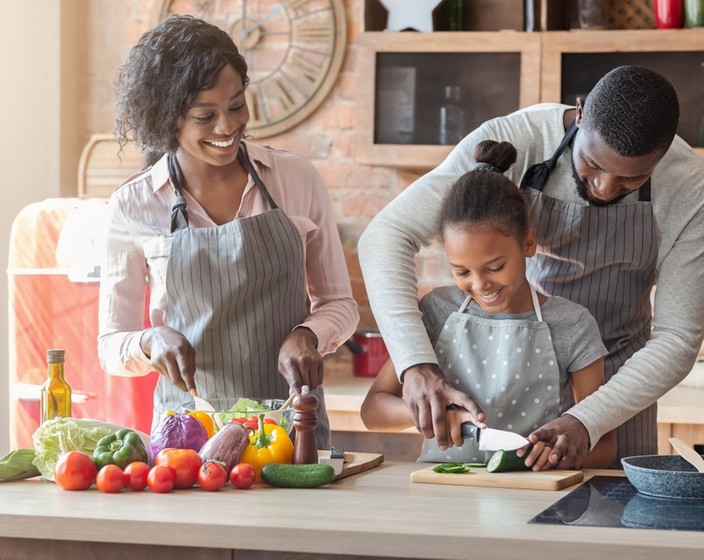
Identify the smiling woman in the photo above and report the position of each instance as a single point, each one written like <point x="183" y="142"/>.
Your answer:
<point x="231" y="239"/>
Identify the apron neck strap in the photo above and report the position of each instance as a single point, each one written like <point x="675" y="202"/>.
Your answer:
<point x="537" y="174"/>
<point x="179" y="214"/>
<point x="533" y="296"/>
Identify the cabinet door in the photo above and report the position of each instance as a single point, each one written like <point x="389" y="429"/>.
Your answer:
<point x="401" y="90"/>
<point x="574" y="61"/>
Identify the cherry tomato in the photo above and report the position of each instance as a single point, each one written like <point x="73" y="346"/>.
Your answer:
<point x="110" y="479"/>
<point x="136" y="475"/>
<point x="185" y="464"/>
<point x="271" y="421"/>
<point x="243" y="476"/>
<point x="160" y="479"/>
<point x="252" y="423"/>
<point x="212" y="476"/>
<point x="238" y="419"/>
<point x="75" y="471"/>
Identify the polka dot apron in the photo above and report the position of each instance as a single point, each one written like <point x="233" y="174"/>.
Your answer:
<point x="508" y="366"/>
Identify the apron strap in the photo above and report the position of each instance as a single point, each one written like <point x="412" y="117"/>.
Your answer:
<point x="244" y="160"/>
<point x="536" y="303"/>
<point x="533" y="295"/>
<point x="537" y="174"/>
<point x="179" y="214"/>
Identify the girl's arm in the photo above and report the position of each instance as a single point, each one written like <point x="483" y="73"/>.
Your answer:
<point x="384" y="409"/>
<point x="584" y="382"/>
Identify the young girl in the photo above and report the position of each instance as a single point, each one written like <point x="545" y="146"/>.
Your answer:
<point x="523" y="357"/>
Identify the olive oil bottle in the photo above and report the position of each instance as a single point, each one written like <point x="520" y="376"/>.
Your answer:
<point x="56" y="393"/>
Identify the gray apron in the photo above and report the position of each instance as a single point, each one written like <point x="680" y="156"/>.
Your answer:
<point x="235" y="291"/>
<point x="508" y="366"/>
<point x="604" y="259"/>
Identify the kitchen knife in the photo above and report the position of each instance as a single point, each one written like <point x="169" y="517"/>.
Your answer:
<point x="490" y="439"/>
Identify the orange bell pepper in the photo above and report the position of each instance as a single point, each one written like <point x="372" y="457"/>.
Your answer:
<point x="268" y="445"/>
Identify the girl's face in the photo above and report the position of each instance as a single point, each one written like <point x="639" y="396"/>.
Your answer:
<point x="490" y="267"/>
<point x="212" y="127"/>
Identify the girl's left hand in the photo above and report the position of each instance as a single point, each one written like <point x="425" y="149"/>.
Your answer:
<point x="299" y="360"/>
<point x="538" y="457"/>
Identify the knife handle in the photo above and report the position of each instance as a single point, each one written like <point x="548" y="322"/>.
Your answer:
<point x="470" y="431"/>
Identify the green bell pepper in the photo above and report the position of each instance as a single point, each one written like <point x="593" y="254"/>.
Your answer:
<point x="121" y="448"/>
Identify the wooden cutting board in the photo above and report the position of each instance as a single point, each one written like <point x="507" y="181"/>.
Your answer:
<point x="543" y="480"/>
<point x="356" y="462"/>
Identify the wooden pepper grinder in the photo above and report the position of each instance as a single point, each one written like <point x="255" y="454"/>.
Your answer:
<point x="305" y="420"/>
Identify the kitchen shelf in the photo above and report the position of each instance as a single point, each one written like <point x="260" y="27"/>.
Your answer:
<point x="503" y="71"/>
<point x="497" y="71"/>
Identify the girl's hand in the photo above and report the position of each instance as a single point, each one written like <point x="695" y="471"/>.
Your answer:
<point x="455" y="417"/>
<point x="171" y="355"/>
<point x="538" y="457"/>
<point x="299" y="360"/>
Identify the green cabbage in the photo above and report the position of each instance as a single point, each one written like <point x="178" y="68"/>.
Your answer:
<point x="60" y="435"/>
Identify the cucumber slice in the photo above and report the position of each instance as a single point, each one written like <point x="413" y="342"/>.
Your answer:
<point x="503" y="461"/>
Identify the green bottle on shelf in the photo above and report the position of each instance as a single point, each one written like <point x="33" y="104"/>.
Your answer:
<point x="55" y="397"/>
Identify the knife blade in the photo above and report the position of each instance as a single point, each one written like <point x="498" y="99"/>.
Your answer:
<point x="490" y="439"/>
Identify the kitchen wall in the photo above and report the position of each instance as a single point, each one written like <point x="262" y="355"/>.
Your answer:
<point x="57" y="62"/>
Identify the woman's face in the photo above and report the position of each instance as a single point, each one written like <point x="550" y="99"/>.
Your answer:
<point x="490" y="267"/>
<point x="212" y="127"/>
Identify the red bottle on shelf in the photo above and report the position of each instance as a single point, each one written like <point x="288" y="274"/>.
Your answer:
<point x="669" y="14"/>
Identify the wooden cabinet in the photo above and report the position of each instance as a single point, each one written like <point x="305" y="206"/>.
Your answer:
<point x="401" y="89"/>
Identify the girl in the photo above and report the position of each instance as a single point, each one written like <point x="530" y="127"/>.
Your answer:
<point x="523" y="357"/>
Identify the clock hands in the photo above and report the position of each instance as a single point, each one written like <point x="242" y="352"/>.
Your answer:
<point x="245" y="31"/>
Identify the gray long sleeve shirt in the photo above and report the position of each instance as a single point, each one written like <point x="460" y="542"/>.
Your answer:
<point x="388" y="247"/>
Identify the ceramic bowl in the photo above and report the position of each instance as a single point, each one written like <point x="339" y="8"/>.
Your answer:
<point x="664" y="476"/>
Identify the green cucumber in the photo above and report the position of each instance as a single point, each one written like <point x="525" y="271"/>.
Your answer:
<point x="503" y="461"/>
<point x="298" y="476"/>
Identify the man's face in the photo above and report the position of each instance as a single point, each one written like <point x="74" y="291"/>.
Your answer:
<point x="603" y="176"/>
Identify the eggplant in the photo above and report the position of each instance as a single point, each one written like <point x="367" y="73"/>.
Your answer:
<point x="226" y="446"/>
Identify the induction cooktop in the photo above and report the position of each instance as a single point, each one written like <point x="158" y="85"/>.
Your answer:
<point x="612" y="501"/>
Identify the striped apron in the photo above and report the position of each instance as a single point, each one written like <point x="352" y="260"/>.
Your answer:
<point x="235" y="291"/>
<point x="604" y="259"/>
<point x="508" y="366"/>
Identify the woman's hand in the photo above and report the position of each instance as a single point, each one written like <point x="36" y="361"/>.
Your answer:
<point x="299" y="360"/>
<point x="171" y="355"/>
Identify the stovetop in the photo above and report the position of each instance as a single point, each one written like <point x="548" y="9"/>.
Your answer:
<point x="612" y="501"/>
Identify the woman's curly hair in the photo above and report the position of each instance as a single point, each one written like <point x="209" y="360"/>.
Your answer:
<point x="162" y="76"/>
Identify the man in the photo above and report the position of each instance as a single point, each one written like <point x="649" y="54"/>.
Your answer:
<point x="618" y="203"/>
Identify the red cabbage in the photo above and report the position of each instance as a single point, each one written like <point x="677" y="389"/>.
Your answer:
<point x="180" y="430"/>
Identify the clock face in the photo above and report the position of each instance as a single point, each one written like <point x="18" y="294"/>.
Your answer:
<point x="293" y="48"/>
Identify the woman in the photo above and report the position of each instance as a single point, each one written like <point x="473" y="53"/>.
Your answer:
<point x="236" y="243"/>
<point x="524" y="356"/>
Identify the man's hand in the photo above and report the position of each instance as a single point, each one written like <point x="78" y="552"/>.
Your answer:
<point x="171" y="355"/>
<point x="428" y="394"/>
<point x="299" y="360"/>
<point x="568" y="438"/>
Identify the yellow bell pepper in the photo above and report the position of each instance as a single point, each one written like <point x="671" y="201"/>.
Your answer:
<point x="267" y="445"/>
<point x="203" y="417"/>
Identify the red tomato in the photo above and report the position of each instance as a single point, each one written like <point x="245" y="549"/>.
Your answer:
<point x="136" y="475"/>
<point x="185" y="464"/>
<point x="243" y="476"/>
<point x="238" y="419"/>
<point x="270" y="421"/>
<point x="160" y="479"/>
<point x="110" y="479"/>
<point x="75" y="471"/>
<point x="212" y="476"/>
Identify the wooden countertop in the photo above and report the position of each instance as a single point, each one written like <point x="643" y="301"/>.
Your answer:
<point x="345" y="392"/>
<point x="379" y="513"/>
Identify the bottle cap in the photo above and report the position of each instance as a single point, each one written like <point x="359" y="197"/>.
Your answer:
<point x="55" y="356"/>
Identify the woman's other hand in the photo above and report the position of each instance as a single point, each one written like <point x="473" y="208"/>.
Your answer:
<point x="171" y="355"/>
<point x="299" y="360"/>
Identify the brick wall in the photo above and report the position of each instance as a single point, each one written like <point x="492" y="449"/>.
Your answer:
<point x="357" y="191"/>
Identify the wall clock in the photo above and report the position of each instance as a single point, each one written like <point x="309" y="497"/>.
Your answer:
<point x="293" y="48"/>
